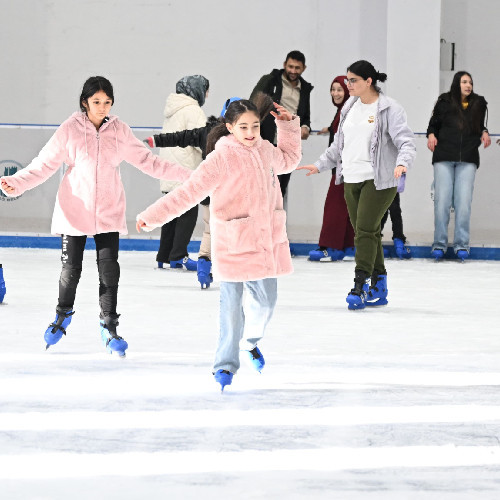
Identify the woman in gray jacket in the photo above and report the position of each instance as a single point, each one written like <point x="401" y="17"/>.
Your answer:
<point x="372" y="151"/>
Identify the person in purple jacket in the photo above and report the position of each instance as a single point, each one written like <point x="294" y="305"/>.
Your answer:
<point x="90" y="200"/>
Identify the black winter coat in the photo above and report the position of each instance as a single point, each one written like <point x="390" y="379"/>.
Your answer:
<point x="455" y="143"/>
<point x="272" y="85"/>
<point x="196" y="137"/>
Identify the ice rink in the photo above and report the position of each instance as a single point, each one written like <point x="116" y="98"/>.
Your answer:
<point x="395" y="403"/>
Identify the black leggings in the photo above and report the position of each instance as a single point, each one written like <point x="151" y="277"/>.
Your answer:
<point x="107" y="264"/>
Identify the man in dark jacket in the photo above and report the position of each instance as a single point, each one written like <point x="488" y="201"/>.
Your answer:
<point x="287" y="87"/>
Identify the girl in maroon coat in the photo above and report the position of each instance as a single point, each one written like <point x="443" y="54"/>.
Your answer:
<point x="337" y="235"/>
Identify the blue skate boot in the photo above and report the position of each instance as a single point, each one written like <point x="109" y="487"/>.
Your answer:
<point x="204" y="267"/>
<point x="377" y="293"/>
<point x="461" y="254"/>
<point x="256" y="359"/>
<point x="402" y="251"/>
<point x="223" y="377"/>
<point x="111" y="340"/>
<point x="323" y="254"/>
<point x="186" y="262"/>
<point x="437" y="254"/>
<point x="357" y="296"/>
<point x="3" y="288"/>
<point x="57" y="329"/>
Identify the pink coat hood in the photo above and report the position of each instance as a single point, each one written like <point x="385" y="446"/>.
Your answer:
<point x="91" y="197"/>
<point x="247" y="220"/>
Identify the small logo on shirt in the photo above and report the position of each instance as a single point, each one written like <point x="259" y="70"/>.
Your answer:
<point x="371" y="119"/>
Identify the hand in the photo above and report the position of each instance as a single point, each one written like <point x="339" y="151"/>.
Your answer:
<point x="149" y="141"/>
<point x="140" y="225"/>
<point x="304" y="132"/>
<point x="485" y="139"/>
<point x="432" y="142"/>
<point x="312" y="169"/>
<point x="284" y="114"/>
<point x="323" y="131"/>
<point x="6" y="187"/>
<point x="399" y="171"/>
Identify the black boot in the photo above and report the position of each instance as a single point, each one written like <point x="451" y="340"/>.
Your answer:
<point x="357" y="296"/>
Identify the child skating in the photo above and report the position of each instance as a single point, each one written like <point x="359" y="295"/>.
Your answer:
<point x="250" y="248"/>
<point x="90" y="200"/>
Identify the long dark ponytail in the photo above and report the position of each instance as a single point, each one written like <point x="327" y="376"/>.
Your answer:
<point x="260" y="105"/>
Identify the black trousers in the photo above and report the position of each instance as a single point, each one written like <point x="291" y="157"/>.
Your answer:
<point x="396" y="219"/>
<point x="176" y="235"/>
<point x="107" y="264"/>
<point x="284" y="180"/>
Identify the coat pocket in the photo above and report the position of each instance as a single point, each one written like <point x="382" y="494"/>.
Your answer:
<point x="241" y="235"/>
<point x="279" y="227"/>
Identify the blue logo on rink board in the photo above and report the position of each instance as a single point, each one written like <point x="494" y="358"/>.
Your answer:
<point x="9" y="167"/>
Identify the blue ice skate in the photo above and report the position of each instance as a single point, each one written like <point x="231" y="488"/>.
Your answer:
<point x="256" y="359"/>
<point x="437" y="254"/>
<point x="223" y="377"/>
<point x="186" y="262"/>
<point x="356" y="299"/>
<point x="204" y="267"/>
<point x="3" y="288"/>
<point x="402" y="251"/>
<point x="377" y="293"/>
<point x="462" y="255"/>
<point x="111" y="340"/>
<point x="326" y="255"/>
<point x="57" y="329"/>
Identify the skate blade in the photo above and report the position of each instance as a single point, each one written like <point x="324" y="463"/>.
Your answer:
<point x="47" y="346"/>
<point x="378" y="302"/>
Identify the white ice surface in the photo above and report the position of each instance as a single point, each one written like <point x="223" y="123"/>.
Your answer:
<point x="395" y="403"/>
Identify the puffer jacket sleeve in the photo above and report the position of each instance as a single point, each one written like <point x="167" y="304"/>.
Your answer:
<point x="137" y="154"/>
<point x="46" y="164"/>
<point x="402" y="136"/>
<point x="288" y="152"/>
<point x="200" y="184"/>
<point x="436" y="118"/>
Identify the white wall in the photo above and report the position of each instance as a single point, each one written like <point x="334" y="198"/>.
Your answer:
<point x="49" y="47"/>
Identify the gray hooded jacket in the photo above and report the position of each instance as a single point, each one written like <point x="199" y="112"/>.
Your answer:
<point x="392" y="144"/>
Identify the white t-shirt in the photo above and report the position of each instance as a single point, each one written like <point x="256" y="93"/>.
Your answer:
<point x="358" y="129"/>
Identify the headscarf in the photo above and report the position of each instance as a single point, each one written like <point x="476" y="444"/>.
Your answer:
<point x="194" y="86"/>
<point x="335" y="123"/>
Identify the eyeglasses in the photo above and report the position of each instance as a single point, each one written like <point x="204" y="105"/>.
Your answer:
<point x="351" y="81"/>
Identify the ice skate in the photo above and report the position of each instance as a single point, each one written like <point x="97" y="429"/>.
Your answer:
<point x="3" y="289"/>
<point x="326" y="255"/>
<point x="463" y="255"/>
<point x="57" y="329"/>
<point x="402" y="251"/>
<point x="223" y="377"/>
<point x="204" y="267"/>
<point x="377" y="293"/>
<point x="437" y="254"/>
<point x="356" y="299"/>
<point x="111" y="340"/>
<point x="256" y="359"/>
<point x="186" y="262"/>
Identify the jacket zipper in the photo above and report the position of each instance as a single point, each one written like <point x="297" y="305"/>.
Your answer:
<point x="95" y="194"/>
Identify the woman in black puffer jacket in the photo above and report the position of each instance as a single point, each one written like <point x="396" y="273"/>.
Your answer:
<point x="455" y="132"/>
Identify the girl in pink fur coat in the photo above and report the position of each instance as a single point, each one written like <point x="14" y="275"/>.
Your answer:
<point x="91" y="199"/>
<point x="250" y="247"/>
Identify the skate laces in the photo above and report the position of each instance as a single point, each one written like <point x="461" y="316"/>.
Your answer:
<point x="57" y="325"/>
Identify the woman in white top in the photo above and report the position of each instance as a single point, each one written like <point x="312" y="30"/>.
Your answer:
<point x="372" y="151"/>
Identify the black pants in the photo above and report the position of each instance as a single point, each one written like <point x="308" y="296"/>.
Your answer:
<point x="284" y="180"/>
<point x="176" y="235"/>
<point x="396" y="219"/>
<point x="107" y="264"/>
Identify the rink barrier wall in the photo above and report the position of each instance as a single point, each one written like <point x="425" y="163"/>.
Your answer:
<point x="297" y="249"/>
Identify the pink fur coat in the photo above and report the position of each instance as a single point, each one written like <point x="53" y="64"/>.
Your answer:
<point x="91" y="197"/>
<point x="247" y="220"/>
